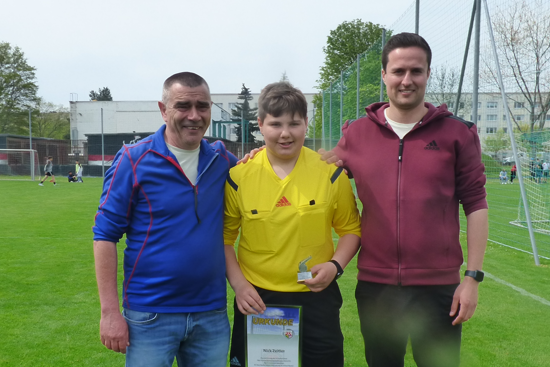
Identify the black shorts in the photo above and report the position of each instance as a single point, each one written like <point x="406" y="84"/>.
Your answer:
<point x="322" y="339"/>
<point x="48" y="174"/>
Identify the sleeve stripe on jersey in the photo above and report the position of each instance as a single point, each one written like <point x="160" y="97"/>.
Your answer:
<point x="232" y="183"/>
<point x="336" y="174"/>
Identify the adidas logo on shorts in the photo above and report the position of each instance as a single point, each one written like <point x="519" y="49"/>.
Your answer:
<point x="234" y="362"/>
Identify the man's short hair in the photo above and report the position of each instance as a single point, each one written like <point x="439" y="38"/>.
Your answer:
<point x="50" y="157"/>
<point x="186" y="79"/>
<point x="405" y="40"/>
<point x="280" y="98"/>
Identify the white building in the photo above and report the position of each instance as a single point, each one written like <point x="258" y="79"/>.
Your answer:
<point x="144" y="116"/>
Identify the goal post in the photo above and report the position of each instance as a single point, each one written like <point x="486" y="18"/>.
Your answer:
<point x="19" y="164"/>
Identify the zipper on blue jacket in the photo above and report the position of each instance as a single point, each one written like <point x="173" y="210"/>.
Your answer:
<point x="196" y="187"/>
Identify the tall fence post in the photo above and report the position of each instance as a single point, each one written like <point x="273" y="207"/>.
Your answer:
<point x="358" y="86"/>
<point x="512" y="138"/>
<point x="417" y="17"/>
<point x="30" y="146"/>
<point x="102" y="148"/>
<point x="475" y="90"/>
<point x="382" y="80"/>
<point x="323" y="144"/>
<point x="341" y="101"/>
<point x="465" y="59"/>
<point x="330" y="120"/>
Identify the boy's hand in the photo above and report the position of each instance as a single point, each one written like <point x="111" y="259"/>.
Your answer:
<point x="324" y="275"/>
<point x="248" y="300"/>
<point x="330" y="157"/>
<point x="251" y="155"/>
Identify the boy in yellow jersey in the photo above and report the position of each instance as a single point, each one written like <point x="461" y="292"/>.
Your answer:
<point x="286" y="202"/>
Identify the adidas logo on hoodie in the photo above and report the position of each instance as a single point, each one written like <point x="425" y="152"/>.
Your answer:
<point x="432" y="146"/>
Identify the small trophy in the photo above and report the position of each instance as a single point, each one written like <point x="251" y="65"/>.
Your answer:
<point x="303" y="274"/>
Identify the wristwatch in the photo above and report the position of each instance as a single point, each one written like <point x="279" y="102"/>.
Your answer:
<point x="339" y="270"/>
<point x="476" y="274"/>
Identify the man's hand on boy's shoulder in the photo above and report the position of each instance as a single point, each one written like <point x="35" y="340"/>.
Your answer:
<point x="330" y="157"/>
<point x="251" y="155"/>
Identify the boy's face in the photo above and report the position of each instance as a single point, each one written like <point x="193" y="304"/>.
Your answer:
<point x="284" y="135"/>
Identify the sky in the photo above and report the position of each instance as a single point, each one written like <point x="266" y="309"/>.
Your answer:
<point x="131" y="47"/>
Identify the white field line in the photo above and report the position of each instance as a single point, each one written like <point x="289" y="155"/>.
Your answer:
<point x="512" y="247"/>
<point x="518" y="289"/>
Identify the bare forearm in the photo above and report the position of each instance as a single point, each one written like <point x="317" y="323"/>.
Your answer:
<point x="234" y="273"/>
<point x="347" y="247"/>
<point x="106" y="263"/>
<point x="477" y="234"/>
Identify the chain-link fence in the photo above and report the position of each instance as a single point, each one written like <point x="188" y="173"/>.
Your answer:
<point x="521" y="30"/>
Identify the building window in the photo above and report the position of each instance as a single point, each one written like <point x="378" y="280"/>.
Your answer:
<point x="478" y="104"/>
<point x="492" y="104"/>
<point x="519" y="104"/>
<point x="491" y="130"/>
<point x="504" y="117"/>
<point x="450" y="104"/>
<point x="461" y="104"/>
<point x="225" y="115"/>
<point x="547" y="117"/>
<point x="492" y="117"/>
<point x="505" y="129"/>
<point x="232" y="106"/>
<point x="478" y="117"/>
<point x="519" y="117"/>
<point x="479" y="130"/>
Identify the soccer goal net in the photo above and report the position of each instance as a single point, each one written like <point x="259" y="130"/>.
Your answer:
<point x="534" y="156"/>
<point x="19" y="164"/>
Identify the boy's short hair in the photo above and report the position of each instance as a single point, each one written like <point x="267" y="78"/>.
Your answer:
<point x="50" y="157"/>
<point x="405" y="40"/>
<point x="280" y="98"/>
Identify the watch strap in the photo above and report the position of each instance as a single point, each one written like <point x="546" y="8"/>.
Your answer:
<point x="339" y="270"/>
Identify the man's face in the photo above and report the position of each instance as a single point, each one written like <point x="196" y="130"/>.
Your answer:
<point x="284" y="135"/>
<point x="187" y="115"/>
<point x="406" y="77"/>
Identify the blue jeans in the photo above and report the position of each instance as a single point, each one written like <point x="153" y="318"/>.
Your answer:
<point x="194" y="339"/>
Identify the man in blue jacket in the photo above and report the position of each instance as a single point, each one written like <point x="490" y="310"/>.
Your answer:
<point x="165" y="193"/>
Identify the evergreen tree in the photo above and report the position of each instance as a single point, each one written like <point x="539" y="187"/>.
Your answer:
<point x="243" y="111"/>
<point x="103" y="94"/>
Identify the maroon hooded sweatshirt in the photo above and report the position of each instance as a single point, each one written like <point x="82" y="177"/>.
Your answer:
<point x="411" y="189"/>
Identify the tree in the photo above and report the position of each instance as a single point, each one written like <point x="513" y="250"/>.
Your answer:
<point x="284" y="77"/>
<point x="344" y="43"/>
<point x="522" y="37"/>
<point x="17" y="89"/>
<point x="243" y="111"/>
<point x="103" y="94"/>
<point x="498" y="142"/>
<point x="51" y="121"/>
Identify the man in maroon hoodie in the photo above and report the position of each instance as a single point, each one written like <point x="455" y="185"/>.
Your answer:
<point x="413" y="164"/>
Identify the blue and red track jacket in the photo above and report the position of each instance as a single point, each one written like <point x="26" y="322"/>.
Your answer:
<point x="174" y="260"/>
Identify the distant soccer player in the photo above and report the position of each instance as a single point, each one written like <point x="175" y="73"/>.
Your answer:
<point x="286" y="202"/>
<point x="78" y="170"/>
<point x="48" y="172"/>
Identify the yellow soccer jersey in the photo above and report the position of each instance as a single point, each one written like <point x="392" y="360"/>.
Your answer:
<point x="283" y="221"/>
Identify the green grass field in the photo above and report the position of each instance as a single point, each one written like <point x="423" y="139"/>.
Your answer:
<point x="49" y="306"/>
